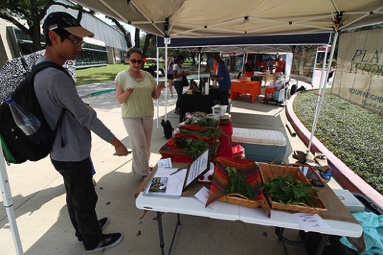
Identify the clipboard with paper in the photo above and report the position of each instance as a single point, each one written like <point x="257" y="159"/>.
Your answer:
<point x="173" y="181"/>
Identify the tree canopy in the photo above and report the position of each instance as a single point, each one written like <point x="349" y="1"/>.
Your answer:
<point x="27" y="14"/>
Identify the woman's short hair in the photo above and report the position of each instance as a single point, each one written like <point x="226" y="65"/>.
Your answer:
<point x="134" y="50"/>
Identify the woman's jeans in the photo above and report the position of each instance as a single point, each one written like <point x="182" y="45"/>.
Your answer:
<point x="179" y="86"/>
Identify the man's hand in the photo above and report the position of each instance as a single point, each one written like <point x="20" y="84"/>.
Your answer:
<point x="120" y="148"/>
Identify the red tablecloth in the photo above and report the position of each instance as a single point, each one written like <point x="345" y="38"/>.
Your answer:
<point x="239" y="87"/>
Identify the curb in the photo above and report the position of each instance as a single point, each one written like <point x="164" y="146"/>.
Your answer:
<point x="97" y="93"/>
<point x="346" y="177"/>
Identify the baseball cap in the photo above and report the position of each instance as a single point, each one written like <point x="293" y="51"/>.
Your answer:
<point x="63" y="20"/>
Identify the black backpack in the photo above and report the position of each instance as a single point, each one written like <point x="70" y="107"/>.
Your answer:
<point x="17" y="146"/>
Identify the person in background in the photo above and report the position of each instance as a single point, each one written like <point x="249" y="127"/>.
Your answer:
<point x="135" y="91"/>
<point x="71" y="148"/>
<point x="279" y="65"/>
<point x="332" y="70"/>
<point x="170" y="75"/>
<point x="223" y="78"/>
<point x="249" y="67"/>
<point x="178" y="73"/>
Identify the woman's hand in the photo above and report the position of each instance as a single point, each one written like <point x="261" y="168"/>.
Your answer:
<point x="122" y="95"/>
<point x="129" y="91"/>
<point x="161" y="86"/>
<point x="157" y="92"/>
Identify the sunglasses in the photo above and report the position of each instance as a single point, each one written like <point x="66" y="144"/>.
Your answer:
<point x="136" y="61"/>
<point x="76" y="43"/>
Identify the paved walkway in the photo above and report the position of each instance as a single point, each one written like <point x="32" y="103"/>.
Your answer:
<point x="42" y="218"/>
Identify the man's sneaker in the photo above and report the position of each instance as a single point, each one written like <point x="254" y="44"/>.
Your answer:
<point x="103" y="223"/>
<point x="107" y="241"/>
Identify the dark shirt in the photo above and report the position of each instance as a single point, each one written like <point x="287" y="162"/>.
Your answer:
<point x="249" y="68"/>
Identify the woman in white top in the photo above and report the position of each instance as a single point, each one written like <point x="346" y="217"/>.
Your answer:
<point x="135" y="91"/>
<point x="178" y="73"/>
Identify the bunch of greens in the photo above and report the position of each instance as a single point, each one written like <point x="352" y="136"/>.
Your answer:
<point x="206" y="132"/>
<point x="203" y="121"/>
<point x="196" y="147"/>
<point x="288" y="190"/>
<point x="238" y="184"/>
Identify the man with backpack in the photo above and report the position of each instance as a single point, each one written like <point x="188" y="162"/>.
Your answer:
<point x="70" y="152"/>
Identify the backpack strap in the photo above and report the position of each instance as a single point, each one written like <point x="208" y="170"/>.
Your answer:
<point x="41" y="66"/>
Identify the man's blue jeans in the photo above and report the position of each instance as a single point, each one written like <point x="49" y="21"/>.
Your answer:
<point x="81" y="199"/>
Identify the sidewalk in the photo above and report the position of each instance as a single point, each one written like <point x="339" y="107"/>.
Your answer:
<point x="39" y="195"/>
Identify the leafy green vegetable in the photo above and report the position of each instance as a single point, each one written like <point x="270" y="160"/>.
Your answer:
<point x="287" y="190"/>
<point x="238" y="184"/>
<point x="199" y="115"/>
<point x="196" y="147"/>
<point x="206" y="132"/>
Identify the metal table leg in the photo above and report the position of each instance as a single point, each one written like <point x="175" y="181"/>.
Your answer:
<point x="324" y="241"/>
<point x="279" y="233"/>
<point x="161" y="232"/>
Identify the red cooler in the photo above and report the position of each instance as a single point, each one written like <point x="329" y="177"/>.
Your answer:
<point x="269" y="94"/>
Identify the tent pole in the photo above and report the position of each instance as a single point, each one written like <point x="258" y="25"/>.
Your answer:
<point x="199" y="67"/>
<point x="316" y="115"/>
<point x="322" y="91"/>
<point x="8" y="204"/>
<point x="158" y="104"/>
<point x="166" y="80"/>
<point x="315" y="64"/>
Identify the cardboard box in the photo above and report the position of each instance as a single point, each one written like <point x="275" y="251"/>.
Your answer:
<point x="225" y="120"/>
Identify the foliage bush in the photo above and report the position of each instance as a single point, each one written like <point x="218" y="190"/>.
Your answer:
<point x="352" y="133"/>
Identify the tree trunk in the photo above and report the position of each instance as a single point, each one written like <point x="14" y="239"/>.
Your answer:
<point x="125" y="32"/>
<point x="193" y="57"/>
<point x="146" y="45"/>
<point x="137" y="38"/>
<point x="36" y="46"/>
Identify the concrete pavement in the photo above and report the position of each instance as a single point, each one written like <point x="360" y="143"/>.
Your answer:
<point x="39" y="194"/>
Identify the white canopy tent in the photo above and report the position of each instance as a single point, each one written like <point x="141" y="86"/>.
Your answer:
<point x="244" y="44"/>
<point x="209" y="18"/>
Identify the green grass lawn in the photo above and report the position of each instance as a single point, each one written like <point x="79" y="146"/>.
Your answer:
<point x="352" y="133"/>
<point x="99" y="74"/>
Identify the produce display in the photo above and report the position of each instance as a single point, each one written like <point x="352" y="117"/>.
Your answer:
<point x="206" y="132"/>
<point x="204" y="121"/>
<point x="238" y="184"/>
<point x="288" y="190"/>
<point x="196" y="147"/>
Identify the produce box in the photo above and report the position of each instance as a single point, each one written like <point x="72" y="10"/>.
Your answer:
<point x="260" y="145"/>
<point x="225" y="120"/>
<point x="270" y="170"/>
<point x="202" y="119"/>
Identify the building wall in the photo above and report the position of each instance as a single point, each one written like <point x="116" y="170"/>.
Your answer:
<point x="113" y="38"/>
<point x="7" y="51"/>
